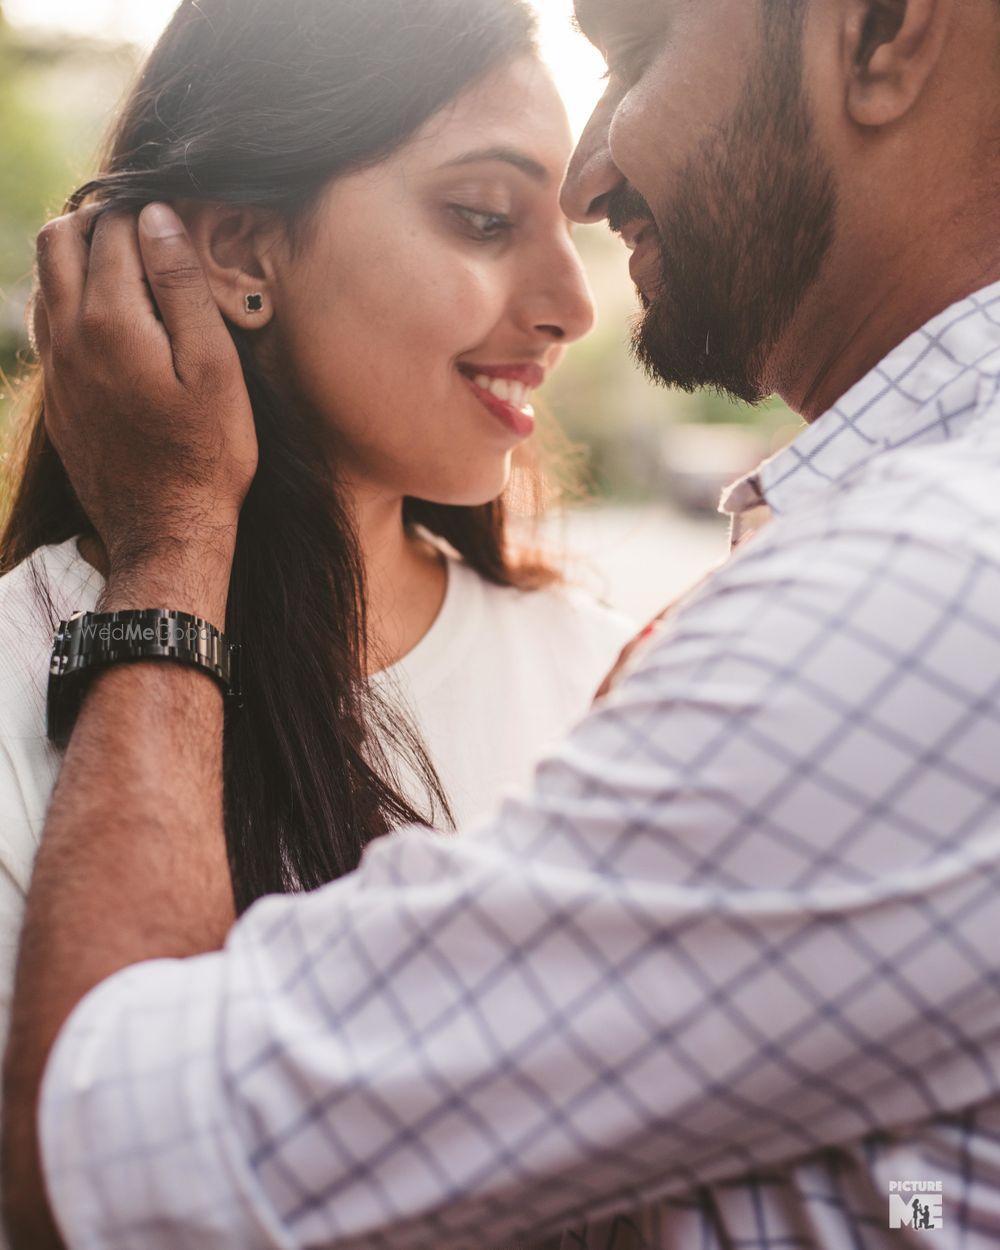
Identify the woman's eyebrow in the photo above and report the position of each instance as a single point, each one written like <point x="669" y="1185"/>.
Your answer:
<point x="509" y="156"/>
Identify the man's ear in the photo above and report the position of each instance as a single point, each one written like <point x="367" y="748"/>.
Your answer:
<point x="891" y="48"/>
<point x="235" y="244"/>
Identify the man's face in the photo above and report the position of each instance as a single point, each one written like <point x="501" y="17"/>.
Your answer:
<point x="703" y="155"/>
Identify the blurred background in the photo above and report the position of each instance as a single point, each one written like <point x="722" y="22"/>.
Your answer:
<point x="654" y="461"/>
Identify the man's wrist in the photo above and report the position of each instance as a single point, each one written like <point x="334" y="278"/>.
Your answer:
<point x="190" y="578"/>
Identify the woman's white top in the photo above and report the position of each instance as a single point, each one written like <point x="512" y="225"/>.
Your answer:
<point x="501" y="676"/>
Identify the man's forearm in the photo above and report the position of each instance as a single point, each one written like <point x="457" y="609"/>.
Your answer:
<point x="132" y="864"/>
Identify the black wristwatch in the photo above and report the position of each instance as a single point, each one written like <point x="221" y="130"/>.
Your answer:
<point x="90" y="641"/>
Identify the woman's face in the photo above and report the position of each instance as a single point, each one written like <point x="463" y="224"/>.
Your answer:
<point x="443" y="271"/>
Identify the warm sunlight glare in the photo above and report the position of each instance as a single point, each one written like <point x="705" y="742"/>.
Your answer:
<point x="576" y="65"/>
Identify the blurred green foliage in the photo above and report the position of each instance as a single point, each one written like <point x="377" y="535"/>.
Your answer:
<point x="55" y="95"/>
<point x="29" y="174"/>
<point x="31" y="171"/>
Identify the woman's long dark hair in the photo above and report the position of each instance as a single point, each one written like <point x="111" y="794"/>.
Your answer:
<point x="262" y="102"/>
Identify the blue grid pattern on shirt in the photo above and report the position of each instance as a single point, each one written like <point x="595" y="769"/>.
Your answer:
<point x="723" y="974"/>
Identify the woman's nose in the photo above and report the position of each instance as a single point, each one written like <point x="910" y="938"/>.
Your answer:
<point x="563" y="308"/>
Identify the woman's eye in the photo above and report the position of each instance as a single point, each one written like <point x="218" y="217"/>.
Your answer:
<point x="484" y="225"/>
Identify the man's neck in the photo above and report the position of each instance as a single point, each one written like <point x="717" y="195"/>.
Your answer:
<point x="874" y="315"/>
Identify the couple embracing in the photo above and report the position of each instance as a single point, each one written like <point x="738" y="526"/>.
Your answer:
<point x="673" y="991"/>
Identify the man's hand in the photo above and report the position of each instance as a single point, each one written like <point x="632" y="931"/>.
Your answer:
<point x="154" y="426"/>
<point x="150" y="416"/>
<point x="638" y="643"/>
<point x="624" y="659"/>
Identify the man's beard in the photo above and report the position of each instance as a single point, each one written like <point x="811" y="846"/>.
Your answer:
<point x="742" y="238"/>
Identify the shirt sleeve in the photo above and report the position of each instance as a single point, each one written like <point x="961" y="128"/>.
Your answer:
<point x="741" y="916"/>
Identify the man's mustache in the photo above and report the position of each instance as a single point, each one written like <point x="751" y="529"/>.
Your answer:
<point x="626" y="205"/>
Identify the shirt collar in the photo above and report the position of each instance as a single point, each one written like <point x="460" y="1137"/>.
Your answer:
<point x="909" y="397"/>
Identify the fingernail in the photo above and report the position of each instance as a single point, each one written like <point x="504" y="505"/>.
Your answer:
<point x="160" y="221"/>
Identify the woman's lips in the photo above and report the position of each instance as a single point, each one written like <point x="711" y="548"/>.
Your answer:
<point x="520" y="421"/>
<point x="531" y="375"/>
<point x="503" y="390"/>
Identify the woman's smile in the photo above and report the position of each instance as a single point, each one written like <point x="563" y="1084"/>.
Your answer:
<point x="504" y="391"/>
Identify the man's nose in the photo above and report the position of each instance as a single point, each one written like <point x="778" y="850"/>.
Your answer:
<point x="592" y="176"/>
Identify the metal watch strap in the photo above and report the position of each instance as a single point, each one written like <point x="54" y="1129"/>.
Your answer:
<point x="90" y="641"/>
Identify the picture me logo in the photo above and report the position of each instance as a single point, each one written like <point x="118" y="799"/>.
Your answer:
<point x="915" y="1204"/>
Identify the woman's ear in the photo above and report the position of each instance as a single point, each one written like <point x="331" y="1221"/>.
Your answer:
<point x="892" y="48"/>
<point x="235" y="245"/>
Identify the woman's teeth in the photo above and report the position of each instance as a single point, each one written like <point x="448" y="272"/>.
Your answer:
<point x="511" y="392"/>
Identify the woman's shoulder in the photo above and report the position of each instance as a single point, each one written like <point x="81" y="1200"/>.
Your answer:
<point x="46" y="587"/>
<point x="56" y="575"/>
<point x="598" y="617"/>
<point x="53" y="582"/>
<point x="540" y="654"/>
<point x="578" y="622"/>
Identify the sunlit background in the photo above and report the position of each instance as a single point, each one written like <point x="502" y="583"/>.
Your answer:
<point x="576" y="65"/>
<point x="655" y="461"/>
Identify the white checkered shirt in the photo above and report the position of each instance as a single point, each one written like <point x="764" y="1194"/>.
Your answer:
<point x="723" y="976"/>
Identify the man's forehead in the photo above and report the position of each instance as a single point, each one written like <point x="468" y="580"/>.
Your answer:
<point x="604" y="13"/>
<point x="596" y="18"/>
<point x="588" y="14"/>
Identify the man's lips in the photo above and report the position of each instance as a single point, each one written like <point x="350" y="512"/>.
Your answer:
<point x="641" y="236"/>
<point x="644" y="265"/>
<point x="634" y="232"/>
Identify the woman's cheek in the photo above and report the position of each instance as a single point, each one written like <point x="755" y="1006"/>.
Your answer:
<point x="465" y="305"/>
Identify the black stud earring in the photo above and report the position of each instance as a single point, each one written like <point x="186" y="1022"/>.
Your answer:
<point x="253" y="303"/>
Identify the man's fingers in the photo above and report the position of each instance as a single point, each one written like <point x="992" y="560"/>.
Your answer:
<point x="41" y="341"/>
<point x="628" y="651"/>
<point x="116" y="278"/>
<point x="180" y="288"/>
<point x="62" y="256"/>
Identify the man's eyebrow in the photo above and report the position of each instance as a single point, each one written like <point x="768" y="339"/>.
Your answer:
<point x="509" y="156"/>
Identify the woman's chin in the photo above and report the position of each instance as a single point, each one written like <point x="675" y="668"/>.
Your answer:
<point x="467" y="493"/>
<point x="464" y="499"/>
